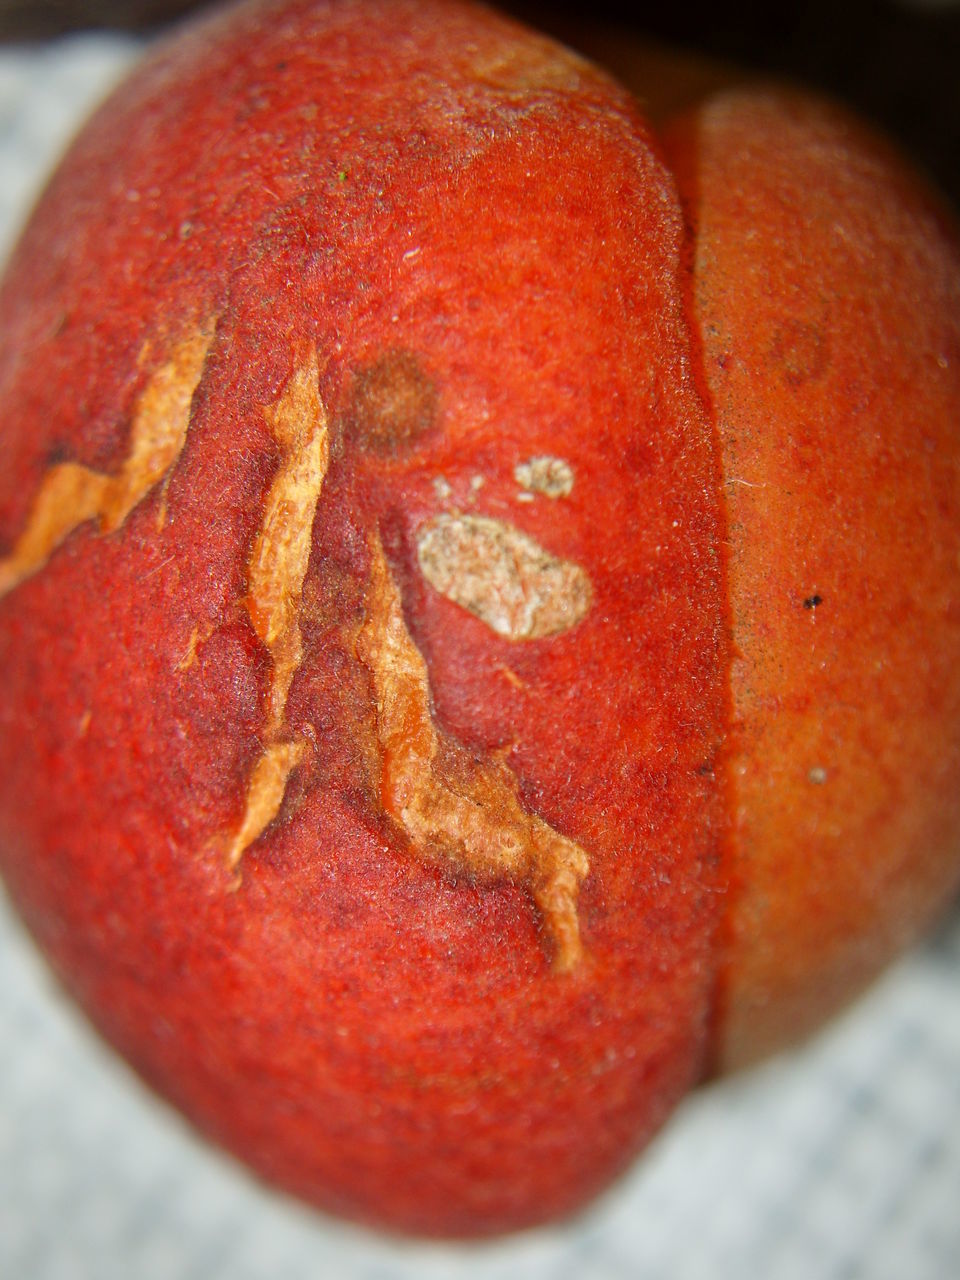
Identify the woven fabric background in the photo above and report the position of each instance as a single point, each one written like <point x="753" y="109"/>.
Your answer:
<point x="840" y="1161"/>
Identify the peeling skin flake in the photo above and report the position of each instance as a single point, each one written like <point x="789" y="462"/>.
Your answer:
<point x="502" y="576"/>
<point x="458" y="812"/>
<point x="72" y="494"/>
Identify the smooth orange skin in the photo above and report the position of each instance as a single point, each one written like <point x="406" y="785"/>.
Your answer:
<point x="827" y="294"/>
<point x="430" y="183"/>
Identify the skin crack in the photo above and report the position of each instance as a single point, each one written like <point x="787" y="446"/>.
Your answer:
<point x="72" y="494"/>
<point x="456" y="812"/>
<point x="276" y="570"/>
<point x="265" y="792"/>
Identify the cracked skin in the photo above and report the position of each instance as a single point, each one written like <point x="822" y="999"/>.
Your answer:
<point x="477" y="828"/>
<point x="465" y="819"/>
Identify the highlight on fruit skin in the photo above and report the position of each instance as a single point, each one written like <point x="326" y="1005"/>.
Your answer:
<point x="479" y="594"/>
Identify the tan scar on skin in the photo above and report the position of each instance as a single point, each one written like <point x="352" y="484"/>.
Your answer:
<point x="71" y="494"/>
<point x="503" y="576"/>
<point x="457" y="812"/>
<point x="276" y="570"/>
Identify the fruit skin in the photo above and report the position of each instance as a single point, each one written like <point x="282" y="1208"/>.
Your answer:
<point x="285" y="347"/>
<point x="836" y="317"/>
<point x="343" y="270"/>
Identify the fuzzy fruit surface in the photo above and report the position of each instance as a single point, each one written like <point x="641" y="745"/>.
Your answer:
<point x="385" y="682"/>
<point x="833" y="363"/>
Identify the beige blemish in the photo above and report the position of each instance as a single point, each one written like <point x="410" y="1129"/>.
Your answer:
<point x="189" y="655"/>
<point x="71" y="494"/>
<point x="547" y="475"/>
<point x="503" y="576"/>
<point x="512" y="678"/>
<point x="276" y="570"/>
<point x="457" y="812"/>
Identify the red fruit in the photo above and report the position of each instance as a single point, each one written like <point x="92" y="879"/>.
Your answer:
<point x="372" y="594"/>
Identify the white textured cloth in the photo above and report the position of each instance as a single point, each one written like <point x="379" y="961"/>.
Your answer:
<point x="842" y="1160"/>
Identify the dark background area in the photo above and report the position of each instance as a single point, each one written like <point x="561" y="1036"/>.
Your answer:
<point x="898" y="62"/>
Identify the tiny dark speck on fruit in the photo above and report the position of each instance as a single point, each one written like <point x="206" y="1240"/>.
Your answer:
<point x="811" y="602"/>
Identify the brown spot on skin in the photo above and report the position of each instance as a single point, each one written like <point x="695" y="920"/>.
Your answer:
<point x="502" y="576"/>
<point x="512" y="678"/>
<point x="72" y="494"/>
<point x="392" y="404"/>
<point x="457" y="812"/>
